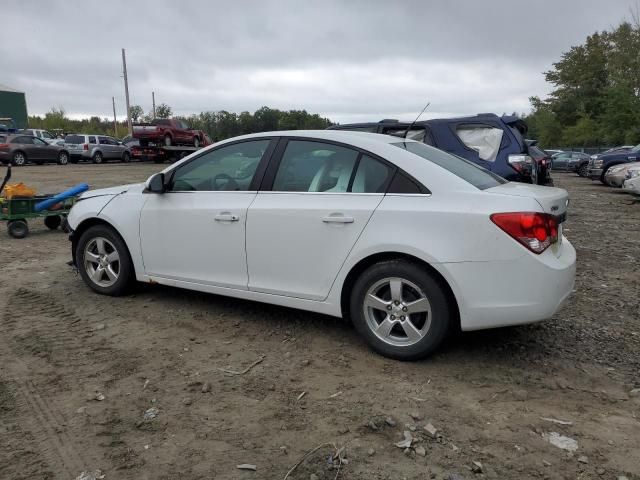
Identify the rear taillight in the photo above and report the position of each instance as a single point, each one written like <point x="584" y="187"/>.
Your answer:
<point x="4" y="146"/>
<point x="536" y="231"/>
<point x="85" y="146"/>
<point x="520" y="162"/>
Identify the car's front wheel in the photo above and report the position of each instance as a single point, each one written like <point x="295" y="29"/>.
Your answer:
<point x="63" y="158"/>
<point x="103" y="261"/>
<point x="583" y="170"/>
<point x="400" y="309"/>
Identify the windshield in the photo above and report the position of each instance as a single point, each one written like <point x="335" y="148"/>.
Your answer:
<point x="477" y="176"/>
<point x="636" y="148"/>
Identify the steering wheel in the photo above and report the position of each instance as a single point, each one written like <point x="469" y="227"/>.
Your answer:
<point x="229" y="182"/>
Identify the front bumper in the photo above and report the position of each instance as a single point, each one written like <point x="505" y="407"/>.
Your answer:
<point x="615" y="179"/>
<point x="503" y="293"/>
<point x="595" y="173"/>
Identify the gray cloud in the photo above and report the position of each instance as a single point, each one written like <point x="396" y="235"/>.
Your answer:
<point x="354" y="60"/>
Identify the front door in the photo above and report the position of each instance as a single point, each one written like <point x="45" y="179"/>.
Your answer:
<point x="301" y="231"/>
<point x="195" y="232"/>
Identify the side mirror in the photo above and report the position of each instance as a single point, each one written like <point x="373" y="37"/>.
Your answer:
<point x="155" y="183"/>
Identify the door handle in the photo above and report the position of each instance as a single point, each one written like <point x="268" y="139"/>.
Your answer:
<point x="337" y="219"/>
<point x="226" y="217"/>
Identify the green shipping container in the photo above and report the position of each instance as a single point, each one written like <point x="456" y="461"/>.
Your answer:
<point x="13" y="105"/>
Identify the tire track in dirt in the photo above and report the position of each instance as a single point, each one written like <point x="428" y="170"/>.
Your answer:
<point x="35" y="328"/>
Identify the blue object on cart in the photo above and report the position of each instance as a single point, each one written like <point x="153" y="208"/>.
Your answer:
<point x="72" y="192"/>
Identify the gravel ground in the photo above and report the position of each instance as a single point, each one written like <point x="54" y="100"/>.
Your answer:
<point x="78" y="371"/>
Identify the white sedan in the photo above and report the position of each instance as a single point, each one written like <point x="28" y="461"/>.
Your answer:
<point x="405" y="239"/>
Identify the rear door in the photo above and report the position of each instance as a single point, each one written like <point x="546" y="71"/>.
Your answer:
<point x="317" y="198"/>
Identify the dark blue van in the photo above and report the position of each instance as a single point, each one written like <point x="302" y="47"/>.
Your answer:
<point x="493" y="142"/>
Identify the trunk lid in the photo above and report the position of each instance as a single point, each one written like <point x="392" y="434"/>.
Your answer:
<point x="553" y="201"/>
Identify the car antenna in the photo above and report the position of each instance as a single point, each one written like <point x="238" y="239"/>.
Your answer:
<point x="414" y="122"/>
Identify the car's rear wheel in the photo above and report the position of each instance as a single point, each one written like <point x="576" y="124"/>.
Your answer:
<point x="103" y="261"/>
<point x="97" y="157"/>
<point x="63" y="158"/>
<point x="400" y="309"/>
<point x="126" y="157"/>
<point x="167" y="140"/>
<point x="19" y="159"/>
<point x="196" y="142"/>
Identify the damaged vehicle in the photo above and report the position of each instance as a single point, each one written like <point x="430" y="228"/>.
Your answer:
<point x="405" y="239"/>
<point x="615" y="176"/>
<point x="493" y="142"/>
<point x="631" y="183"/>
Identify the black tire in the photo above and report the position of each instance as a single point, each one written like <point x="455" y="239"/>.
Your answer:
<point x="65" y="225"/>
<point x="602" y="180"/>
<point x="196" y="142"/>
<point x="168" y="141"/>
<point x="63" y="158"/>
<point x="97" y="157"/>
<point x="583" y="170"/>
<point x="126" y="157"/>
<point x="18" y="228"/>
<point x="52" y="222"/>
<point x="19" y="159"/>
<point x="441" y="317"/>
<point x="126" y="271"/>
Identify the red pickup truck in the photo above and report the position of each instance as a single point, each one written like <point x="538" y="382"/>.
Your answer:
<point x="168" y="132"/>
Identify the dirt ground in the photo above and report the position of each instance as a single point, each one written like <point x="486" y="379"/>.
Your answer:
<point x="78" y="371"/>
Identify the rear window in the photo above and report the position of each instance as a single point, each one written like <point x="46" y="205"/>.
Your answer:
<point x="74" y="139"/>
<point x="470" y="172"/>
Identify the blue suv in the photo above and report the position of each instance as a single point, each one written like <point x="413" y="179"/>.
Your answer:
<point x="493" y="142"/>
<point x="600" y="163"/>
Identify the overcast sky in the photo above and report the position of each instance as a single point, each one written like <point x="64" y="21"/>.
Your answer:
<point x="347" y="60"/>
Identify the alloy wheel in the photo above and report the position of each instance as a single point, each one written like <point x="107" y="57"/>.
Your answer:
<point x="19" y="159"/>
<point x="397" y="311"/>
<point x="102" y="262"/>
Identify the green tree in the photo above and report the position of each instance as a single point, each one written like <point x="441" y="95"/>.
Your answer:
<point x="163" y="111"/>
<point x="136" y="112"/>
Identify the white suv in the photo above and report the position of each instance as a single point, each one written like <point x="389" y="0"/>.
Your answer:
<point x="95" y="148"/>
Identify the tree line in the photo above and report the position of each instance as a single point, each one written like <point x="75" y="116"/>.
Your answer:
<point x="217" y="124"/>
<point x="596" y="92"/>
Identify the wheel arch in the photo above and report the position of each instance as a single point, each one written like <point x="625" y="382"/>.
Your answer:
<point x="92" y="222"/>
<point x="372" y="259"/>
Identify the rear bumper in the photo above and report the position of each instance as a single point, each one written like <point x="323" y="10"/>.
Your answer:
<point x="503" y="293"/>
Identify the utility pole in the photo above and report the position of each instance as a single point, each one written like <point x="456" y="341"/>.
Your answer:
<point x="115" y="122"/>
<point x="153" y="102"/>
<point x="126" y="92"/>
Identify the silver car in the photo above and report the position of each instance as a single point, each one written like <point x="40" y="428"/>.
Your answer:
<point x="95" y="148"/>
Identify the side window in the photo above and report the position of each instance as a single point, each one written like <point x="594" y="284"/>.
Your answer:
<point x="103" y="141"/>
<point x="486" y="140"/>
<point x="38" y="133"/>
<point x="112" y="141"/>
<point x="309" y="166"/>
<point x="24" y="140"/>
<point x="46" y="135"/>
<point x="372" y="176"/>
<point x="38" y="141"/>
<point x="229" y="168"/>
<point x="92" y="139"/>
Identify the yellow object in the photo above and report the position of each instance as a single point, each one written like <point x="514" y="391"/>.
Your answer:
<point x="18" y="190"/>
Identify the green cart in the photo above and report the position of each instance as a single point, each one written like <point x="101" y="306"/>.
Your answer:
<point x="16" y="211"/>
